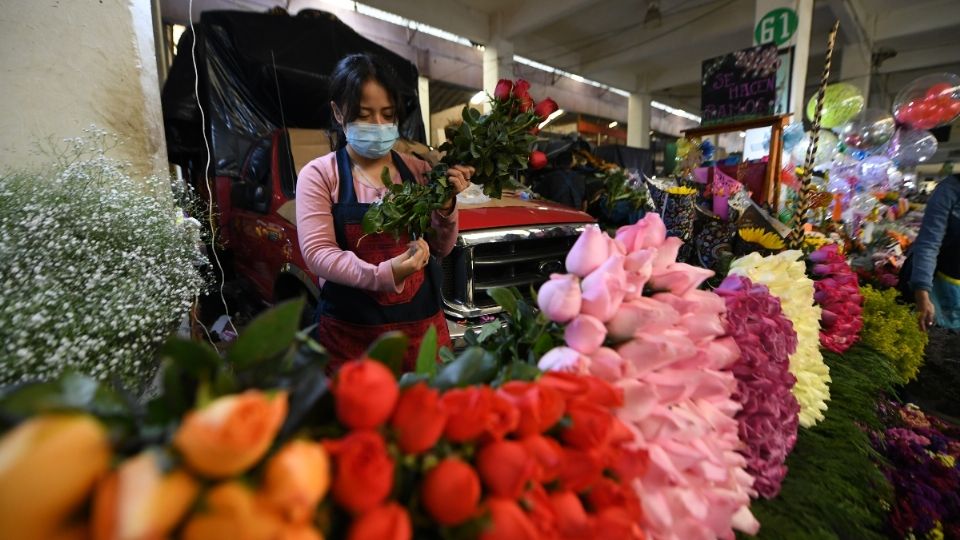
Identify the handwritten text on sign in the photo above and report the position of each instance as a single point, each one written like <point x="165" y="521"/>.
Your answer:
<point x="740" y="85"/>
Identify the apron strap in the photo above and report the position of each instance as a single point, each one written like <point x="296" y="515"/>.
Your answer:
<point x="346" y="193"/>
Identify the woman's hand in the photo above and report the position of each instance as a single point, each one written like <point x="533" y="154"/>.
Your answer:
<point x="926" y="313"/>
<point x="459" y="177"/>
<point x="410" y="261"/>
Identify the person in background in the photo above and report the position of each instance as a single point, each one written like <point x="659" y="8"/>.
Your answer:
<point x="935" y="274"/>
<point x="370" y="284"/>
<point x="563" y="184"/>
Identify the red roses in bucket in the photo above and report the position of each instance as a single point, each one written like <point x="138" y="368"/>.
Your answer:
<point x="543" y="459"/>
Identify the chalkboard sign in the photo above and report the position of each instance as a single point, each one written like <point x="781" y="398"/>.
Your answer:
<point x="739" y="86"/>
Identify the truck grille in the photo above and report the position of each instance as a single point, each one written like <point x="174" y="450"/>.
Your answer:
<point x="522" y="258"/>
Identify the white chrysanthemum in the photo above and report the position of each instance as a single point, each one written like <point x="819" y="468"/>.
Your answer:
<point x="785" y="275"/>
<point x="95" y="269"/>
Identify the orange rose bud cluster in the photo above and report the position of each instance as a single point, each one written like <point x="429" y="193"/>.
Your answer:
<point x="527" y="460"/>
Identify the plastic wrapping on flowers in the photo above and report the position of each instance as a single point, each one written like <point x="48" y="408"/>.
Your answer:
<point x="668" y="352"/>
<point x="768" y="418"/>
<point x="838" y="295"/>
<point x="786" y="278"/>
<point x="891" y="329"/>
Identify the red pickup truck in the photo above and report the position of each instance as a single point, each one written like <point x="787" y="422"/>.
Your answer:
<point x="502" y="243"/>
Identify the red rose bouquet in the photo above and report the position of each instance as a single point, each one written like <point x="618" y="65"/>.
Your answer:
<point x="838" y="293"/>
<point x="496" y="144"/>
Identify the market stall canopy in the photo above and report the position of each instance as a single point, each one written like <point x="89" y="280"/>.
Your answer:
<point x="260" y="72"/>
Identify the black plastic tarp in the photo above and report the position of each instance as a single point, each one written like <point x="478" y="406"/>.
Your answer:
<point x="640" y="159"/>
<point x="259" y="72"/>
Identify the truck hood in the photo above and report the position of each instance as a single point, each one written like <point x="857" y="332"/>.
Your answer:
<point x="512" y="211"/>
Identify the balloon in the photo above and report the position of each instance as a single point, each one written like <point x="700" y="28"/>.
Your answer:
<point x="928" y="102"/>
<point x="707" y="149"/>
<point x="873" y="171"/>
<point x="841" y="102"/>
<point x="868" y="130"/>
<point x="792" y="135"/>
<point x="910" y="147"/>
<point x="826" y="149"/>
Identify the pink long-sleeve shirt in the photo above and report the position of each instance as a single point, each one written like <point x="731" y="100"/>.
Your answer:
<point x="317" y="190"/>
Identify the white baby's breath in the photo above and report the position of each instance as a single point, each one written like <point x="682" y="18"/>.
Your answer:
<point x="97" y="268"/>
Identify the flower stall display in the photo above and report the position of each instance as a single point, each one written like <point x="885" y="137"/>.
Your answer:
<point x="838" y="295"/>
<point x="891" y="329"/>
<point x="768" y="417"/>
<point x="497" y="144"/>
<point x="97" y="266"/>
<point x="668" y="353"/>
<point x="785" y="275"/>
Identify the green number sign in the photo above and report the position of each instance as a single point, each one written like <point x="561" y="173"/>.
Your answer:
<point x="776" y="27"/>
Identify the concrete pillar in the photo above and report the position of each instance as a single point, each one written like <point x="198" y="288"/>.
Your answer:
<point x="67" y="65"/>
<point x="423" y="90"/>
<point x="801" y="55"/>
<point x="855" y="60"/>
<point x="638" y="120"/>
<point x="497" y="63"/>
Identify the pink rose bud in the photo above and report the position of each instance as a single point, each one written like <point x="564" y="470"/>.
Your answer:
<point x="607" y="364"/>
<point x="646" y="233"/>
<point x="559" y="298"/>
<point x="679" y="278"/>
<point x="585" y="334"/>
<point x="667" y="253"/>
<point x="702" y="326"/>
<point x="563" y="359"/>
<point x="588" y="252"/>
<point x="653" y="351"/>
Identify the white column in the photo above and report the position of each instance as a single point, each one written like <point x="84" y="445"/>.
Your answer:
<point x="801" y="55"/>
<point x="638" y="120"/>
<point x="423" y="90"/>
<point x="497" y="63"/>
<point x="855" y="62"/>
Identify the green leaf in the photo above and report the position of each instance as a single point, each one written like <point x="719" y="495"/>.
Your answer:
<point x="505" y="299"/>
<point x="488" y="330"/>
<point x="446" y="355"/>
<point x="372" y="220"/>
<point x="197" y="358"/>
<point x="69" y="391"/>
<point x="427" y="356"/>
<point x="389" y="349"/>
<point x="409" y="379"/>
<point x="268" y="335"/>
<point x="473" y="366"/>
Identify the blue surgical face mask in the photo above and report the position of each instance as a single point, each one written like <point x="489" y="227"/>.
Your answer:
<point x="372" y="141"/>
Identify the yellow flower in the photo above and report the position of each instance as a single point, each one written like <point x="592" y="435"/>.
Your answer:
<point x="681" y="190"/>
<point x="815" y="241"/>
<point x="785" y="275"/>
<point x="766" y="239"/>
<point x="936" y="533"/>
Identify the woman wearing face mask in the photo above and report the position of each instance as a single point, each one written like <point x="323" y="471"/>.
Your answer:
<point x="375" y="283"/>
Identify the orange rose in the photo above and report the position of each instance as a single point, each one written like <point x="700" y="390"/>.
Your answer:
<point x="300" y="532"/>
<point x="508" y="522"/>
<point x="388" y="522"/>
<point x="540" y="407"/>
<point x="600" y="392"/>
<point x="140" y="501"/>
<point x="506" y="467"/>
<point x="627" y="463"/>
<point x="607" y="493"/>
<point x="419" y="419"/>
<point x="503" y="417"/>
<point x="572" y="520"/>
<point x="366" y="393"/>
<point x="232" y="433"/>
<point x="232" y="512"/>
<point x="569" y="385"/>
<point x="363" y="471"/>
<point x="296" y="479"/>
<point x="48" y="467"/>
<point x="467" y="410"/>
<point x="616" y="523"/>
<point x="451" y="491"/>
<point x="581" y="468"/>
<point x="548" y="454"/>
<point x="591" y="425"/>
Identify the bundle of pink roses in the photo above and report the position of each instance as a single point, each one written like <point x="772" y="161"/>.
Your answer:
<point x="838" y="293"/>
<point x="769" y="417"/>
<point x="668" y="352"/>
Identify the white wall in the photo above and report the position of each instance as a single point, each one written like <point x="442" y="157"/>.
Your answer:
<point x="67" y="64"/>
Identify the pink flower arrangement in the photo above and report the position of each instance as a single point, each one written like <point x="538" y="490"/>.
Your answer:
<point x="838" y="294"/>
<point x="669" y="355"/>
<point x="768" y="420"/>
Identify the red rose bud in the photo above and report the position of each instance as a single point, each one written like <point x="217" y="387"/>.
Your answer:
<point x="591" y="425"/>
<point x="521" y="89"/>
<point x="467" y="410"/>
<point x="572" y="520"/>
<point x="538" y="160"/>
<point x="540" y="407"/>
<point x="549" y="456"/>
<point x="581" y="469"/>
<point x="506" y="467"/>
<point x="419" y="419"/>
<point x="451" y="492"/>
<point x="536" y="502"/>
<point x="508" y="522"/>
<point x="503" y="418"/>
<point x="363" y="473"/>
<point x="545" y="108"/>
<point x="503" y="89"/>
<point x="365" y="393"/>
<point x="527" y="104"/>
<point x="388" y="522"/>
<point x="616" y="523"/>
<point x="610" y="494"/>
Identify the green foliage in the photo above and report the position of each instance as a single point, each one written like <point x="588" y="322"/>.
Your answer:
<point x="496" y="144"/>
<point x="617" y="188"/>
<point x="891" y="328"/>
<point x="834" y="489"/>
